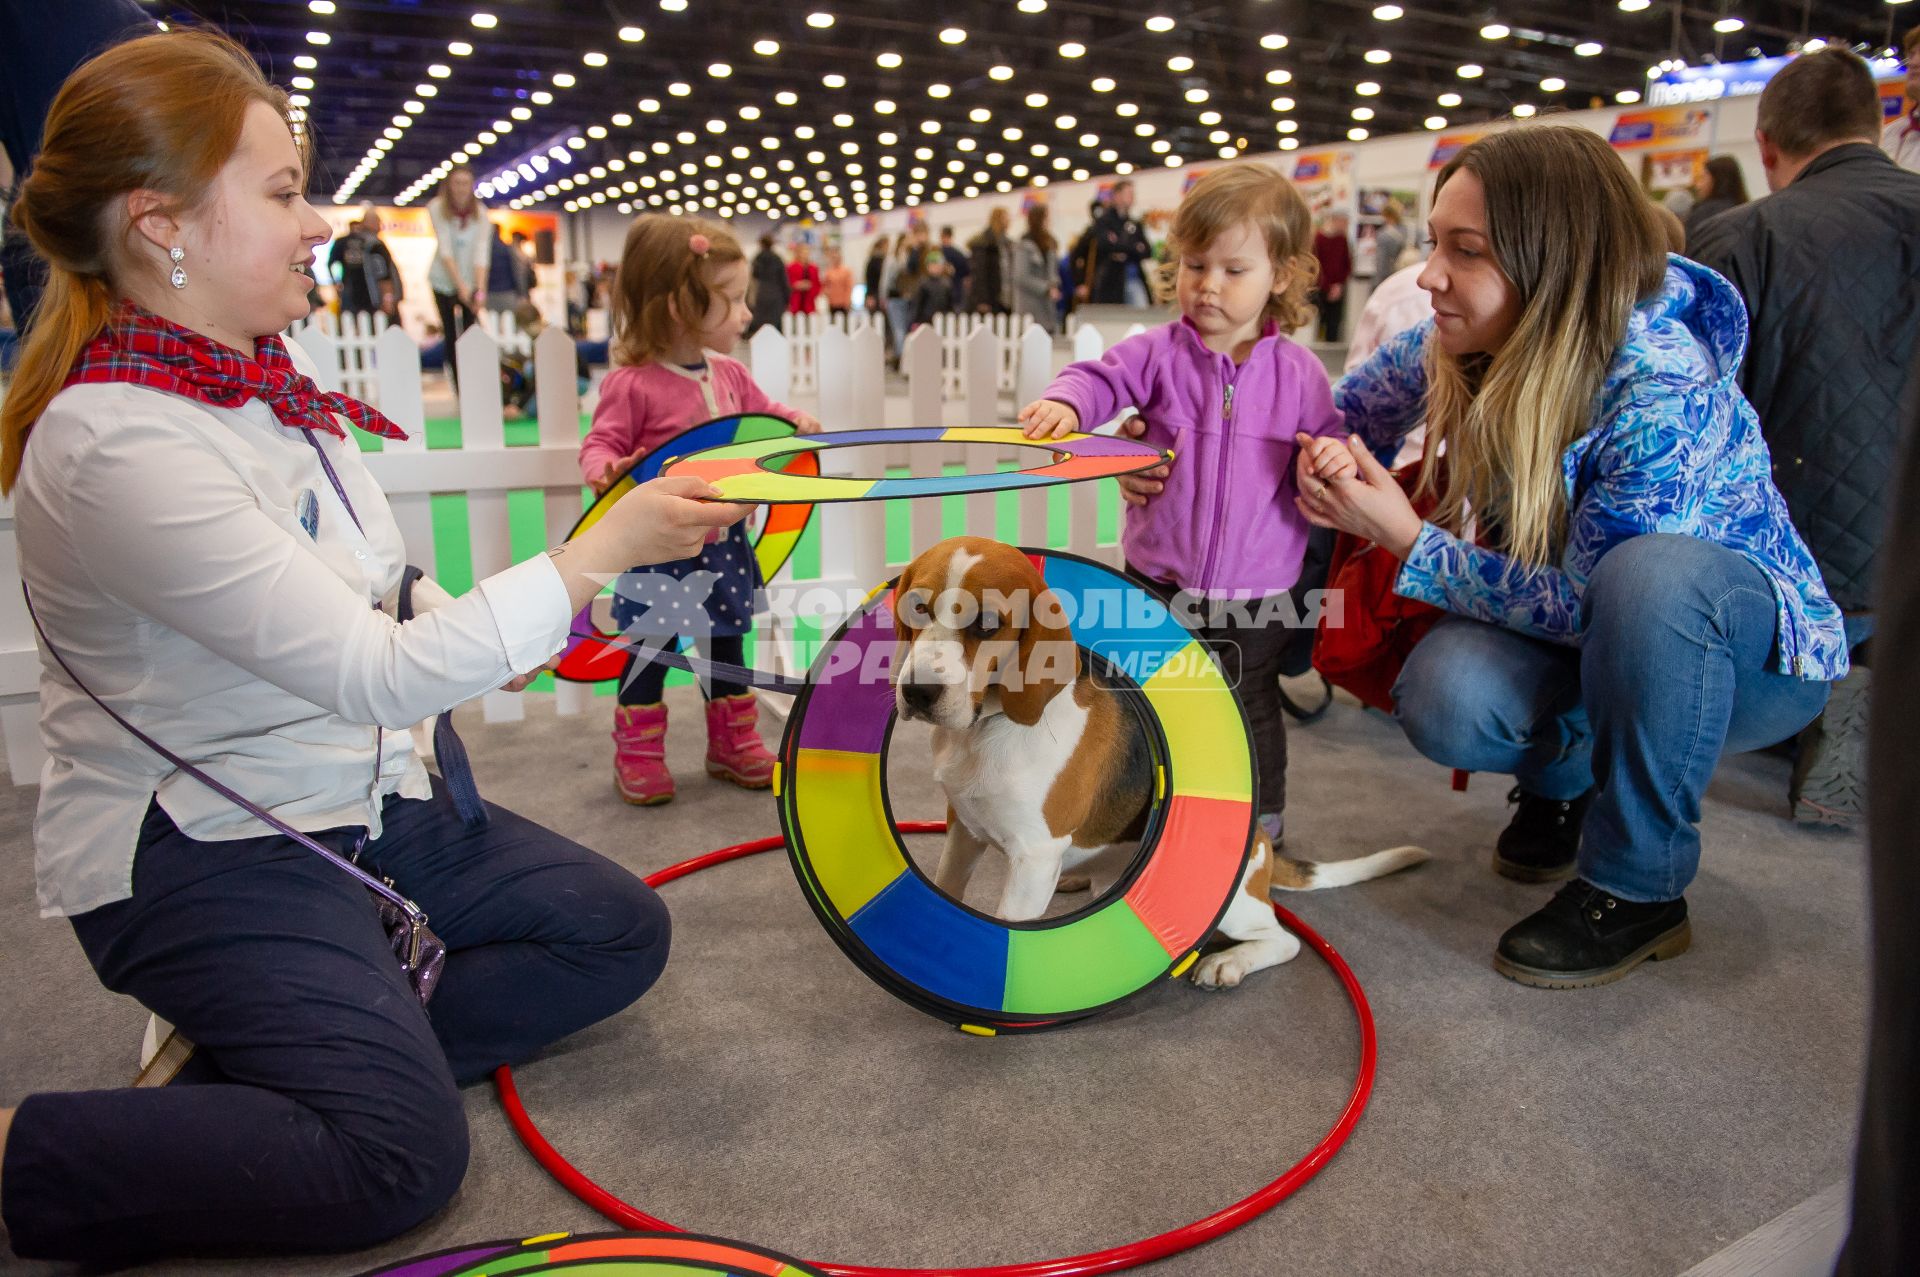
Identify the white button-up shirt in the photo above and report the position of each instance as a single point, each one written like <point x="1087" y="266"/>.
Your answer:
<point x="162" y="540"/>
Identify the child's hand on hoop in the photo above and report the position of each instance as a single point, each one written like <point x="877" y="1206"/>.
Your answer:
<point x="1048" y="419"/>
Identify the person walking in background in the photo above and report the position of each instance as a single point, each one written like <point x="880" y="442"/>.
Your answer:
<point x="1036" y="272"/>
<point x="957" y="266"/>
<point x="803" y="282"/>
<point x="1335" y="255"/>
<point x="462" y="243"/>
<point x="875" y="275"/>
<point x="990" y="267"/>
<point x="1118" y="249"/>
<point x="901" y="282"/>
<point x="1719" y="187"/>
<point x="1390" y="242"/>
<point x="509" y="275"/>
<point x="934" y="292"/>
<point x="837" y="283"/>
<point x="1829" y="267"/>
<point x="1080" y="262"/>
<point x="769" y="287"/>
<point x="363" y="272"/>
<point x="1901" y="138"/>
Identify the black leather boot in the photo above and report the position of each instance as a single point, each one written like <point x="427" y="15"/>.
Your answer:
<point x="1542" y="840"/>
<point x="1586" y="937"/>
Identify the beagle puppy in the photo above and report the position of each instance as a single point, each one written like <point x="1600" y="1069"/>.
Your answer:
<point x="1041" y="760"/>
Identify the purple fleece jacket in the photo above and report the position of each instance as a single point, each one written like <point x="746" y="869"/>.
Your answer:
<point x="1226" y="524"/>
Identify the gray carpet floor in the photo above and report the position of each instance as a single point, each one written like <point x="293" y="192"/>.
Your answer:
<point x="766" y="1090"/>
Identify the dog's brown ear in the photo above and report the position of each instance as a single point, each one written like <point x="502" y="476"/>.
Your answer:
<point x="1047" y="662"/>
<point x="904" y="583"/>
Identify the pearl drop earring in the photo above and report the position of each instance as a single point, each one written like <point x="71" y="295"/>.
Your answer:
<point x="179" y="277"/>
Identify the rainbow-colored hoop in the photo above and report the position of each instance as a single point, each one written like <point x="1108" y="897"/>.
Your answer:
<point x="603" y="1255"/>
<point x="601" y="656"/>
<point x="974" y="971"/>
<point x="760" y="471"/>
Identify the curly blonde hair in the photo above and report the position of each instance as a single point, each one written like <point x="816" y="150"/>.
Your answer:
<point x="1250" y="192"/>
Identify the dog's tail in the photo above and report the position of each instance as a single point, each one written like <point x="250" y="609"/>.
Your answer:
<point x="1289" y="874"/>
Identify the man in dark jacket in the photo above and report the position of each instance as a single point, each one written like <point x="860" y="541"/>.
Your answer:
<point x="959" y="266"/>
<point x="1119" y="247"/>
<point x="363" y="270"/>
<point x="1885" y="1237"/>
<point x="770" y="287"/>
<point x="990" y="267"/>
<point x="1829" y="265"/>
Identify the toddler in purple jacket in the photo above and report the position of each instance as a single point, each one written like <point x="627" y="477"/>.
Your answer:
<point x="1227" y="391"/>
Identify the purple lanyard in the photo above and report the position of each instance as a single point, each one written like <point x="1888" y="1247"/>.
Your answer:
<point x="339" y="489"/>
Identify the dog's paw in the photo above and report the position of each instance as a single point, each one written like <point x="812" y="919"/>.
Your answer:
<point x="1071" y="883"/>
<point x="1222" y="970"/>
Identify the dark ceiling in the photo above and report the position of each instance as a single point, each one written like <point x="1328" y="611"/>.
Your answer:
<point x="1235" y="92"/>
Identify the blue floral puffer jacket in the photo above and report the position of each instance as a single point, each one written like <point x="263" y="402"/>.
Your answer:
<point x="1674" y="447"/>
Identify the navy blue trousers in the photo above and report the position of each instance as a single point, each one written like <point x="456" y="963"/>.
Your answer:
<point x="322" y="1110"/>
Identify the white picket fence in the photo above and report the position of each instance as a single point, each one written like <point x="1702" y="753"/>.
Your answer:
<point x="803" y="339"/>
<point x="348" y="342"/>
<point x="955" y="329"/>
<point x="848" y="373"/>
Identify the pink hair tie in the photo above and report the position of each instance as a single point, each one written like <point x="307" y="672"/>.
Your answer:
<point x="699" y="244"/>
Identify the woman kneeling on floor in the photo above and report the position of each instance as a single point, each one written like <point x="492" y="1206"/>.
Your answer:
<point x="1631" y="601"/>
<point x="208" y="557"/>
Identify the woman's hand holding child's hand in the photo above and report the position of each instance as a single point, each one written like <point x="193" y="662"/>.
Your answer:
<point x="1359" y="495"/>
<point x="1048" y="419"/>
<point x="1326" y="458"/>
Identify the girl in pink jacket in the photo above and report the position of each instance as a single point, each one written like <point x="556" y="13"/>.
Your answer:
<point x="1228" y="392"/>
<point x="679" y="305"/>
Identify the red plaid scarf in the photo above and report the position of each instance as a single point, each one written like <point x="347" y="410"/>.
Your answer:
<point x="138" y="346"/>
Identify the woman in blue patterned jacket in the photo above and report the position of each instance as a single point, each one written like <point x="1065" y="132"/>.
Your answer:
<point x="1628" y="598"/>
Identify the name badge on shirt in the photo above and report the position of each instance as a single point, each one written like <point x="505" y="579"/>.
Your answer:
<point x="307" y="507"/>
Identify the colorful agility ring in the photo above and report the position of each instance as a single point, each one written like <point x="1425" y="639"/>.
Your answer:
<point x="653" y="1254"/>
<point x="1114" y="1258"/>
<point x="968" y="968"/>
<point x="762" y="471"/>
<point x="592" y="654"/>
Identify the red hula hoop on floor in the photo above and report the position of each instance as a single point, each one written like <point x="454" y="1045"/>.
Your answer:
<point x="1114" y="1259"/>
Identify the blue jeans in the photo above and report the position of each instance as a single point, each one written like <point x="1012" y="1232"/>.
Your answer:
<point x="1675" y="669"/>
<point x="321" y="1111"/>
<point x="899" y="312"/>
